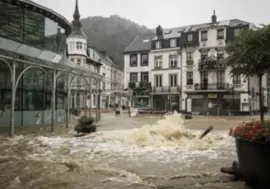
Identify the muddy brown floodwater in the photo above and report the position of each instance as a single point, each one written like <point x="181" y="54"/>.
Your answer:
<point x="139" y="153"/>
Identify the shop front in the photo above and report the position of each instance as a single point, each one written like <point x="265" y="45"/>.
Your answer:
<point x="214" y="103"/>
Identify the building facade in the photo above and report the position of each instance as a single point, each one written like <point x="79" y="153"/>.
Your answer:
<point x="187" y="71"/>
<point x="33" y="65"/>
<point x="104" y="94"/>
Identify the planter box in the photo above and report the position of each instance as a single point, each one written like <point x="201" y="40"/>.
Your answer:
<point x="254" y="162"/>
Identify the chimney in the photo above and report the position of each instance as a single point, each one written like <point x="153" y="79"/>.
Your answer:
<point x="159" y="31"/>
<point x="214" y="18"/>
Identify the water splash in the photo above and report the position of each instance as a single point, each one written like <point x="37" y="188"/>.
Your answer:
<point x="168" y="132"/>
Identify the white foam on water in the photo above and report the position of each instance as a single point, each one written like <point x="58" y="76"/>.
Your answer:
<point x="167" y="140"/>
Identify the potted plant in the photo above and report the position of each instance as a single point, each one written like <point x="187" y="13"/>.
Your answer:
<point x="85" y="125"/>
<point x="249" y="57"/>
<point x="253" y="151"/>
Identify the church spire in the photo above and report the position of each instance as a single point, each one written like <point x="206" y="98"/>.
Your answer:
<point x="76" y="23"/>
<point x="76" y="14"/>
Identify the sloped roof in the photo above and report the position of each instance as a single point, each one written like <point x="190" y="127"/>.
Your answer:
<point x="143" y="43"/>
<point x="101" y="57"/>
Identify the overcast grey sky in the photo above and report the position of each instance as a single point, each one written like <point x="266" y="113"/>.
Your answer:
<point x="167" y="13"/>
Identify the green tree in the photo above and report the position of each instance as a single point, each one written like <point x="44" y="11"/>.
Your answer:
<point x="249" y="55"/>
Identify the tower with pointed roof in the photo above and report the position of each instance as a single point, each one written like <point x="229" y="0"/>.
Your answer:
<point x="77" y="40"/>
<point x="77" y="54"/>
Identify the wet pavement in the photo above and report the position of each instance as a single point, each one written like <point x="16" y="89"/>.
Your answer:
<point x="142" y="153"/>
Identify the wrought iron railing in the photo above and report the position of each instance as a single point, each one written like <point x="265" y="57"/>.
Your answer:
<point x="212" y="86"/>
<point x="212" y="65"/>
<point x="166" y="89"/>
<point x="139" y="85"/>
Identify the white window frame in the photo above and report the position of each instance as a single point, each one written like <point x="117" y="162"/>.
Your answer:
<point x="79" y="45"/>
<point x="144" y="74"/>
<point x="173" y="80"/>
<point x="173" y="59"/>
<point x="132" y="77"/>
<point x="173" y="43"/>
<point x="158" y="62"/>
<point x="144" y="59"/>
<point x="133" y="63"/>
<point x="158" y="80"/>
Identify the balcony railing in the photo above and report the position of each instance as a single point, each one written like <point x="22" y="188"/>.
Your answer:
<point x="212" y="86"/>
<point x="166" y="89"/>
<point x="139" y="85"/>
<point x="212" y="64"/>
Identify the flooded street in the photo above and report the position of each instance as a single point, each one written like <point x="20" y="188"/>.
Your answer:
<point x="143" y="153"/>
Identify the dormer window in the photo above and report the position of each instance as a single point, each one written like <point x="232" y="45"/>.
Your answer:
<point x="173" y="43"/>
<point x="79" y="45"/>
<point x="158" y="44"/>
<point x="190" y="37"/>
<point x="204" y="36"/>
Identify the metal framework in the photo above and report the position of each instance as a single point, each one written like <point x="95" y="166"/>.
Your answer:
<point x="57" y="71"/>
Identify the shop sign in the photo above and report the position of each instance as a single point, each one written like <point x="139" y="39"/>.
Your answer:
<point x="195" y="96"/>
<point x="212" y="95"/>
<point x="231" y="96"/>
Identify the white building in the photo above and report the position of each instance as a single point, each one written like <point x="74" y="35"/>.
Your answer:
<point x="188" y="63"/>
<point x="82" y="55"/>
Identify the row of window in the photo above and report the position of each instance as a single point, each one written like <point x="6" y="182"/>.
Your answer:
<point x="134" y="77"/>
<point x="220" y="78"/>
<point x="157" y="79"/>
<point x="173" y="44"/>
<point x="134" y="60"/>
<point x="173" y="82"/>
<point x="79" y="61"/>
<point x="158" y="61"/>
<point x="190" y="37"/>
<point x="173" y="59"/>
<point x="189" y="78"/>
<point x="77" y="45"/>
<point x="220" y="34"/>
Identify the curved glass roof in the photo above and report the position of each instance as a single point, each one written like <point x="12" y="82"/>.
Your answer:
<point x="50" y="13"/>
<point x="43" y="57"/>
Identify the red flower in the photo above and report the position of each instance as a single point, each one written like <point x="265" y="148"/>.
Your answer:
<point x="251" y="131"/>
